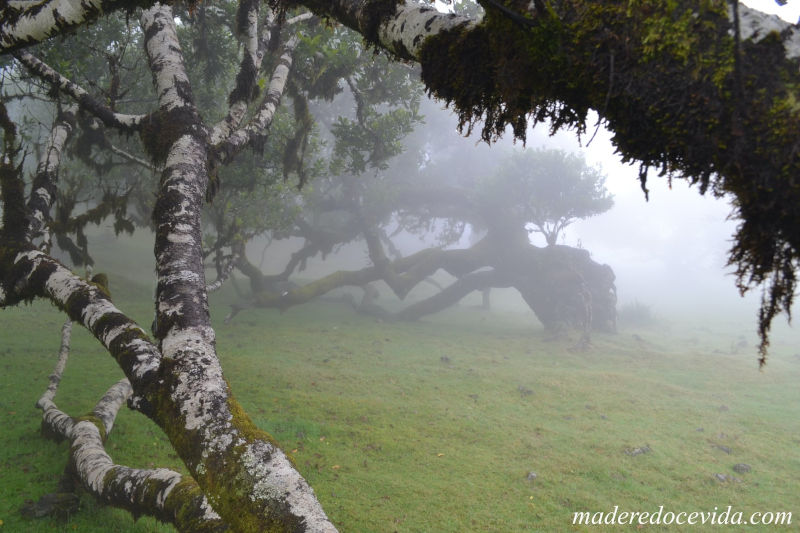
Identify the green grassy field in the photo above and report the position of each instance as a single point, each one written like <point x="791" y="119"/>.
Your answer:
<point x="434" y="426"/>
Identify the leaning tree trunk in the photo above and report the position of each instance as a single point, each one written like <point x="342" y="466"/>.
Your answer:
<point x="175" y="380"/>
<point x="562" y="285"/>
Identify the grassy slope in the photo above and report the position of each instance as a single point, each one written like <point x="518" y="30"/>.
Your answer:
<point x="422" y="427"/>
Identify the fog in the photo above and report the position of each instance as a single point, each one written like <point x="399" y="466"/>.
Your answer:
<point x="669" y="253"/>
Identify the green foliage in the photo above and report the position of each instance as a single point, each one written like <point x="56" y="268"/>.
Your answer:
<point x="548" y="189"/>
<point x="386" y="98"/>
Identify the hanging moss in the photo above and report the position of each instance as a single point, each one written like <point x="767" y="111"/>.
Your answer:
<point x="245" y="89"/>
<point x="160" y="129"/>
<point x="679" y="93"/>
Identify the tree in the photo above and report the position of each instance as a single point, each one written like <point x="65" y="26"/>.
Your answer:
<point x="175" y="379"/>
<point x="438" y="198"/>
<point x="723" y="121"/>
<point x="727" y="121"/>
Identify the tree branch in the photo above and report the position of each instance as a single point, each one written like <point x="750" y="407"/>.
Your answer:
<point x="250" y="482"/>
<point x="245" y="87"/>
<point x="29" y="274"/>
<point x="224" y="275"/>
<point x="161" y="493"/>
<point x="259" y="124"/>
<point x="133" y="159"/>
<point x="44" y="186"/>
<point x="26" y="23"/>
<point x="402" y="31"/>
<point x="79" y="94"/>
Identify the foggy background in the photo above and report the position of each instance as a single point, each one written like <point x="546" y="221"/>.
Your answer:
<point x="668" y="253"/>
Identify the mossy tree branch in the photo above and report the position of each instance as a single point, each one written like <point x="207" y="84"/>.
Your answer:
<point x="248" y="480"/>
<point x="161" y="493"/>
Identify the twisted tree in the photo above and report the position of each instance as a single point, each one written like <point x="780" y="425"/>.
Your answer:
<point x="562" y="285"/>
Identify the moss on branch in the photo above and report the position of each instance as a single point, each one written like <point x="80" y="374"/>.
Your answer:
<point x="679" y="92"/>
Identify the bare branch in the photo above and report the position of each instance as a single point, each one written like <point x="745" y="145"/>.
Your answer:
<point x="33" y="273"/>
<point x="299" y="18"/>
<point x="258" y="126"/>
<point x="224" y="275"/>
<point x="55" y="378"/>
<point x="82" y="97"/>
<point x="245" y="88"/>
<point x="402" y="32"/>
<point x="161" y="493"/>
<point x="133" y="159"/>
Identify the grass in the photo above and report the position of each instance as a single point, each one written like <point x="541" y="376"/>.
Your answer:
<point x="434" y="426"/>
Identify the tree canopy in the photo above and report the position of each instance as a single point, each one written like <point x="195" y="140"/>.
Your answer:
<point x="547" y="190"/>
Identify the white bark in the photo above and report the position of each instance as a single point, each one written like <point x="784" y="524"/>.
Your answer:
<point x="32" y="22"/>
<point x="260" y="123"/>
<point x="405" y="31"/>
<point x="43" y="189"/>
<point x="227" y="269"/>
<point x="166" y="60"/>
<point x="756" y="25"/>
<point x="255" y="48"/>
<point x="55" y="378"/>
<point x="199" y="400"/>
<point x="118" y="334"/>
<point x="133" y="159"/>
<point x="144" y="491"/>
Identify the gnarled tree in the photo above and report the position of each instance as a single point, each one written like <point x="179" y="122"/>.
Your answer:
<point x="441" y="202"/>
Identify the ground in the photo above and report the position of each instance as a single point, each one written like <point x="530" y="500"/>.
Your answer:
<point x="436" y="425"/>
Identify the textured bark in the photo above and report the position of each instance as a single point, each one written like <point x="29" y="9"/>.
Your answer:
<point x="25" y="24"/>
<point x="401" y="28"/>
<point x="161" y="493"/>
<point x="255" y="45"/>
<point x="259" y="124"/>
<point x="178" y="383"/>
<point x="32" y="274"/>
<point x="44" y="185"/>
<point x="248" y="480"/>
